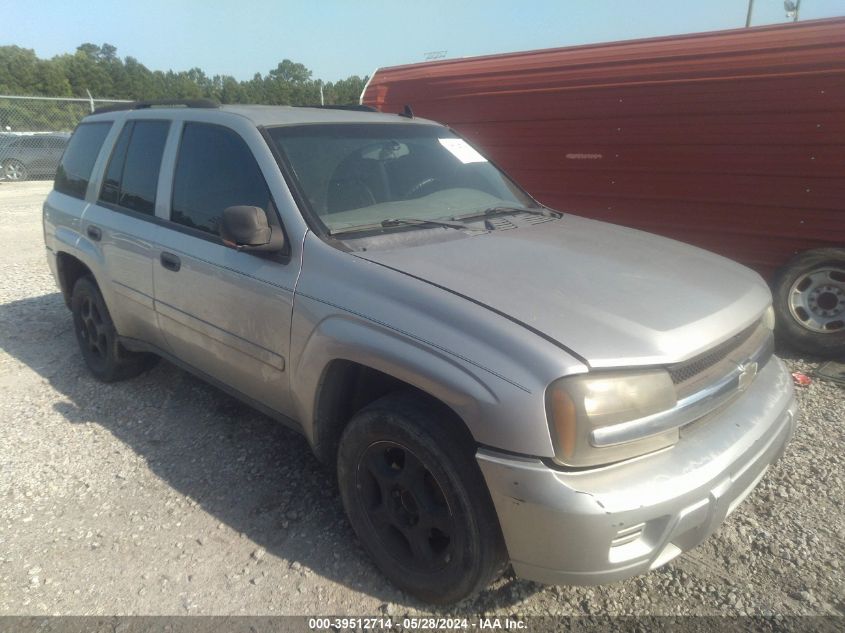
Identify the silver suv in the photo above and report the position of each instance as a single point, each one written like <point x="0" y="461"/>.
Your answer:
<point x="494" y="381"/>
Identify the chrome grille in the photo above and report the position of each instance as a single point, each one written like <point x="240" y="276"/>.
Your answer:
<point x="691" y="369"/>
<point x="703" y="393"/>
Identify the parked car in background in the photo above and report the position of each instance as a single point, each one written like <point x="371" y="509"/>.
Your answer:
<point x="31" y="155"/>
<point x="733" y="141"/>
<point x="493" y="380"/>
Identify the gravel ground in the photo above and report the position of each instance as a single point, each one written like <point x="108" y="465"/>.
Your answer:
<point x="163" y="495"/>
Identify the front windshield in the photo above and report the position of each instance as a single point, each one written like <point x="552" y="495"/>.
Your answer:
<point x="360" y="175"/>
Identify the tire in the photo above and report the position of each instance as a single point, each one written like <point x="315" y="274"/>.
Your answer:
<point x="809" y="302"/>
<point x="15" y="171"/>
<point x="417" y="500"/>
<point x="98" y="341"/>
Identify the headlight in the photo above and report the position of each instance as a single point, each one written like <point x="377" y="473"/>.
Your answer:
<point x="769" y="318"/>
<point x="578" y="405"/>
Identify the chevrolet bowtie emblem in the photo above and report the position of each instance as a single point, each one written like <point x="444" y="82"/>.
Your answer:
<point x="747" y="371"/>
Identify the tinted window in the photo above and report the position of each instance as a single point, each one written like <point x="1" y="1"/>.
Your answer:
<point x="132" y="175"/>
<point x="215" y="170"/>
<point x="78" y="160"/>
<point x="110" y="191"/>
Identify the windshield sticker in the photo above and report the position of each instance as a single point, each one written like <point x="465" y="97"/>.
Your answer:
<point x="461" y="150"/>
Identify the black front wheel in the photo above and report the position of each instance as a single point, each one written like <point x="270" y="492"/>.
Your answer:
<point x="417" y="500"/>
<point x="105" y="357"/>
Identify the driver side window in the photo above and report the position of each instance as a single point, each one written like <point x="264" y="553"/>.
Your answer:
<point x="215" y="169"/>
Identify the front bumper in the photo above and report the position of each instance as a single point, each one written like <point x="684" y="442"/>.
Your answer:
<point x="605" y="524"/>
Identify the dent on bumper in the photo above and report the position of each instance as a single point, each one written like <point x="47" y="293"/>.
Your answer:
<point x="610" y="523"/>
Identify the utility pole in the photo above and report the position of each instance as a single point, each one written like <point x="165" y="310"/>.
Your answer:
<point x="748" y="15"/>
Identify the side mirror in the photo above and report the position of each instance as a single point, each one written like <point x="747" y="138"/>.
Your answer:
<point x="246" y="229"/>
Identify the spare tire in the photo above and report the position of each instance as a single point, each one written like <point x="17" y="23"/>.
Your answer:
<point x="809" y="302"/>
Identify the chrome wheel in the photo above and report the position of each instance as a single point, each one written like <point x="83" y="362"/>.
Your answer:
<point x="817" y="300"/>
<point x="14" y="170"/>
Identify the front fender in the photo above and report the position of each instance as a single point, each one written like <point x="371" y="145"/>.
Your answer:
<point x="496" y="411"/>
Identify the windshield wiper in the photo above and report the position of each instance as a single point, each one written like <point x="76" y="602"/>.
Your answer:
<point x="391" y="222"/>
<point x="505" y="209"/>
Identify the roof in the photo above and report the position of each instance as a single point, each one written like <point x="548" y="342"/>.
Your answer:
<point x="291" y="115"/>
<point x="270" y="115"/>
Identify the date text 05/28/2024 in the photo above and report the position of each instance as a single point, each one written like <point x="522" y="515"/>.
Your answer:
<point x="425" y="623"/>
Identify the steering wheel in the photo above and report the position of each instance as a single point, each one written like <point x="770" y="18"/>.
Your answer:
<point x="422" y="185"/>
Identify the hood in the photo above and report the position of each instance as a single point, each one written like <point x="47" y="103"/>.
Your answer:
<point x="614" y="296"/>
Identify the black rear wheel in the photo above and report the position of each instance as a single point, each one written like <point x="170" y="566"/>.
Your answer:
<point x="105" y="357"/>
<point x="417" y="500"/>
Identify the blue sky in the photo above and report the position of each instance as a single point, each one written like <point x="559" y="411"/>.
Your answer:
<point x="336" y="38"/>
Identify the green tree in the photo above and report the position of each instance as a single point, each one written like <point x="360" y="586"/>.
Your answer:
<point x="232" y="91"/>
<point x="98" y="69"/>
<point x="345" y="91"/>
<point x="18" y="70"/>
<point x="51" y="81"/>
<point x="86" y="71"/>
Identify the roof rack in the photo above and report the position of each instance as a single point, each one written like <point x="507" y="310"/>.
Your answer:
<point x="352" y="106"/>
<point x="154" y="103"/>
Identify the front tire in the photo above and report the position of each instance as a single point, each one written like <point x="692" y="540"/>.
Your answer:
<point x="98" y="341"/>
<point x="809" y="302"/>
<point x="416" y="498"/>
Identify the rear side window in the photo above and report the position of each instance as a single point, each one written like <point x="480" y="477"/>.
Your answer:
<point x="215" y="169"/>
<point x="132" y="175"/>
<point x="75" y="170"/>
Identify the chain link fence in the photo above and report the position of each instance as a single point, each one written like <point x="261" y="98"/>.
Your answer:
<point x="35" y="130"/>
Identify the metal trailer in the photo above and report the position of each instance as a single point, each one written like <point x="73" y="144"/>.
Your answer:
<point x="729" y="140"/>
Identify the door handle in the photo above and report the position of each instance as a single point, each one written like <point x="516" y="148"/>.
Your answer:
<point x="94" y="232"/>
<point x="170" y="261"/>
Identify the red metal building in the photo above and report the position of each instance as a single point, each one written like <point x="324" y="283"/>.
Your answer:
<point x="730" y="140"/>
